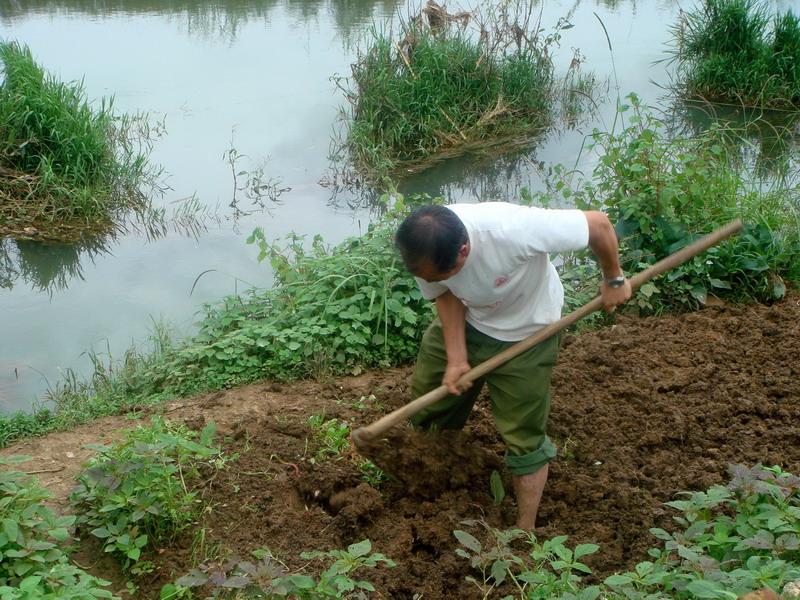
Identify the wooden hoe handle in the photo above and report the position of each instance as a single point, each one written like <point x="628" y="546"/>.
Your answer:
<point x="382" y="425"/>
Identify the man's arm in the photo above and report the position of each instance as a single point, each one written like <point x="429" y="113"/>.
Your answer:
<point x="604" y="245"/>
<point x="452" y="315"/>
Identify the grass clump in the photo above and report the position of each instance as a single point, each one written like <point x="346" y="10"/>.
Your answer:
<point x="34" y="544"/>
<point x="736" y="51"/>
<point x="731" y="540"/>
<point x="664" y="192"/>
<point x="446" y="84"/>
<point x="136" y="494"/>
<point x="65" y="165"/>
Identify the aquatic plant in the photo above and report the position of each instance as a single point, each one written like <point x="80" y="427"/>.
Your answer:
<point x="65" y="164"/>
<point x="736" y="51"/>
<point x="445" y="84"/>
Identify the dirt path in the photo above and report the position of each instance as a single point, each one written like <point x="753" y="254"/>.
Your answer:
<point x="640" y="411"/>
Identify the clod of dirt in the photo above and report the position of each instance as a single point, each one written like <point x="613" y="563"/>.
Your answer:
<point x="430" y="463"/>
<point x="357" y="506"/>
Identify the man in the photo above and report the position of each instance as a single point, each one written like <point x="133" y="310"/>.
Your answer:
<point x="488" y="269"/>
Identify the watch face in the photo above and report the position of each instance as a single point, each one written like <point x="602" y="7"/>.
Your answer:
<point x="616" y="282"/>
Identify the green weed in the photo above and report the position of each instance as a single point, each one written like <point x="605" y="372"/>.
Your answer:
<point x="732" y="540"/>
<point x="332" y="439"/>
<point x="663" y="192"/>
<point x="735" y="51"/>
<point x="62" y="161"/>
<point x="267" y="578"/>
<point x="332" y="436"/>
<point x="136" y="493"/>
<point x="34" y="544"/>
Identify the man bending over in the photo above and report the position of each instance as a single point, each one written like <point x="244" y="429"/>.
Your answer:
<point x="487" y="267"/>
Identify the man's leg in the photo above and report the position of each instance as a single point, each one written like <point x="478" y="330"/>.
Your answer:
<point x="520" y="391"/>
<point x="451" y="412"/>
<point x="528" y="490"/>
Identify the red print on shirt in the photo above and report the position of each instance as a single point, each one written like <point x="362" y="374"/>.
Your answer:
<point x="502" y="280"/>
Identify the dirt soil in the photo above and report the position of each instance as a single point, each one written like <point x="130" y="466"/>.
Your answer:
<point x="641" y="411"/>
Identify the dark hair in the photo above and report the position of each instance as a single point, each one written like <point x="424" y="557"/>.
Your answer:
<point x="432" y="233"/>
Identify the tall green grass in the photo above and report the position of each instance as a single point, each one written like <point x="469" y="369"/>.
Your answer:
<point x="736" y="51"/>
<point x="64" y="162"/>
<point x="443" y="85"/>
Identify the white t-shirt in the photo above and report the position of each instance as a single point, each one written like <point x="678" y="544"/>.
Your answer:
<point x="508" y="284"/>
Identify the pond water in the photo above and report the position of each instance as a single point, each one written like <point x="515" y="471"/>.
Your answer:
<point x="254" y="76"/>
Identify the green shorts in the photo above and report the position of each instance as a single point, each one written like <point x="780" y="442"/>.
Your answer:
<point x="519" y="389"/>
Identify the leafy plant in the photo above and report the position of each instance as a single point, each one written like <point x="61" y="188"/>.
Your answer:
<point x="267" y="578"/>
<point x="732" y="540"/>
<point x="34" y="544"/>
<point x="549" y="570"/>
<point x="332" y="436"/>
<point x="663" y="193"/>
<point x="136" y="494"/>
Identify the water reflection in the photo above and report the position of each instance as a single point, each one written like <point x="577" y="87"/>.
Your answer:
<point x="766" y="141"/>
<point x="212" y="20"/>
<point x="47" y="267"/>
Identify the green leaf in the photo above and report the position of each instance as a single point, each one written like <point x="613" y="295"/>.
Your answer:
<point x="500" y="570"/>
<point x="360" y="549"/>
<point x="585" y="549"/>
<point x="30" y="584"/>
<point x="617" y="580"/>
<point x="59" y="534"/>
<point x="302" y="582"/>
<point x="101" y="532"/>
<point x="703" y="588"/>
<point x="467" y="540"/>
<point x="11" y="529"/>
<point x="496" y="486"/>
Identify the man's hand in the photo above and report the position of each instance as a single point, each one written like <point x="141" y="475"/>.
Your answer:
<point x="452" y="374"/>
<point x="613" y="297"/>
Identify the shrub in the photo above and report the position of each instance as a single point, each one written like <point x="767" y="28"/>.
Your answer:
<point x="63" y="163"/>
<point x="734" y="51"/>
<point x="137" y="493"/>
<point x="663" y="192"/>
<point x="267" y="578"/>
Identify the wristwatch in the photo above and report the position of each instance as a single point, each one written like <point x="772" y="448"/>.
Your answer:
<point x="615" y="282"/>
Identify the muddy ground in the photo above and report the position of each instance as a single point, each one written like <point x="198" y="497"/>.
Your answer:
<point x="641" y="411"/>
